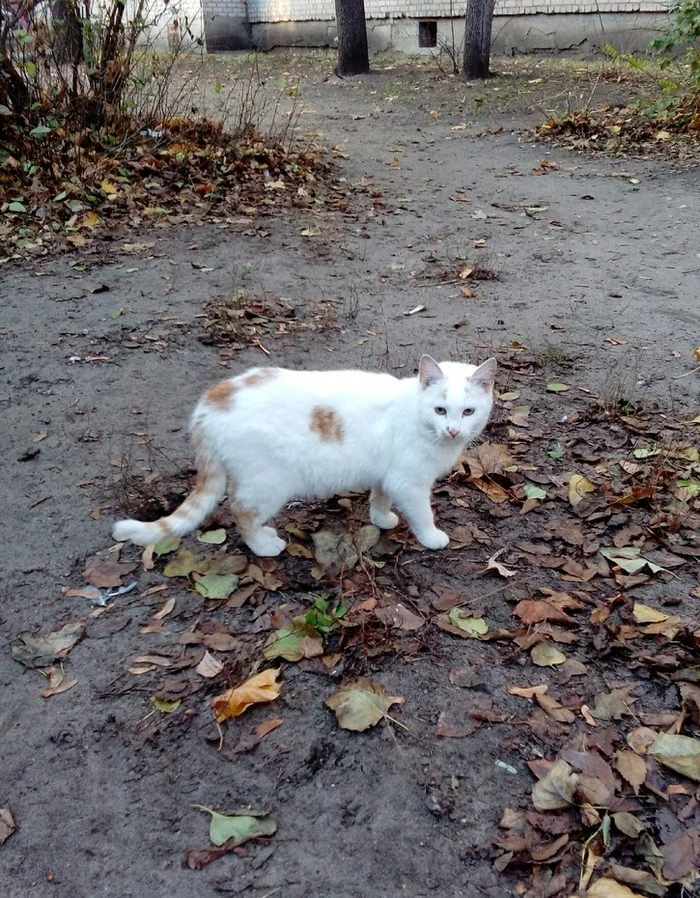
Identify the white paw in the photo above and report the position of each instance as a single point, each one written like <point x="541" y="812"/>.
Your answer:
<point x="266" y="545"/>
<point x="384" y="521"/>
<point x="436" y="539"/>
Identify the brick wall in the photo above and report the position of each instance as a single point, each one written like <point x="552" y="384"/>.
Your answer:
<point x="324" y="10"/>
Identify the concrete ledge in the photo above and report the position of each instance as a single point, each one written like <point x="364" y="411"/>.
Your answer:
<point x="227" y="33"/>
<point x="539" y="32"/>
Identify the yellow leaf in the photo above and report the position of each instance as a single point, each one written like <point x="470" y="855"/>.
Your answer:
<point x="610" y="888"/>
<point x="109" y="188"/>
<point x="578" y="487"/>
<point x="644" y="614"/>
<point x="91" y="220"/>
<point x="263" y="687"/>
<point x="544" y="654"/>
<point x="696" y="354"/>
<point x="680" y="753"/>
<point x="465" y="271"/>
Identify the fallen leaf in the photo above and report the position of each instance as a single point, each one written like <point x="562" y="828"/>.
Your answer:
<point x="213" y="537"/>
<point x="610" y="888"/>
<point x="613" y="705"/>
<point x="262" y="729"/>
<point x="7" y="825"/>
<point x="644" y="614"/>
<point x="215" y="586"/>
<point x="209" y="666"/>
<point x="680" y="753"/>
<point x="86" y="592"/>
<point x="534" y="611"/>
<point x="554" y="709"/>
<point x="58" y="683"/>
<point x="184" y="563"/>
<point x="105" y="574"/>
<point x="164" y="705"/>
<point x="165" y="610"/>
<point x="263" y="687"/>
<point x="632" y="768"/>
<point x="494" y="565"/>
<point x="399" y="616"/>
<point x="489" y="458"/>
<point x="640" y="738"/>
<point x="40" y="651"/>
<point x="446" y="731"/>
<point x="558" y="388"/>
<point x="528" y="691"/>
<point x="556" y="789"/>
<point x="361" y="704"/>
<point x="238" y="827"/>
<point x="628" y="824"/>
<point x="544" y="654"/>
<point x="293" y="642"/>
<point x="578" y="487"/>
<point x="474" y="627"/>
<point x="679" y="858"/>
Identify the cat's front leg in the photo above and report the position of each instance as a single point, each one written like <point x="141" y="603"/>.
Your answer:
<point x="414" y="504"/>
<point x="380" y="513"/>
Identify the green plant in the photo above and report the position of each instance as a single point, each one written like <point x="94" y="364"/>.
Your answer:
<point x="683" y="38"/>
<point x="323" y="617"/>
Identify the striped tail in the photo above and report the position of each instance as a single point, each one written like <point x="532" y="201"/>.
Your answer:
<point x="209" y="490"/>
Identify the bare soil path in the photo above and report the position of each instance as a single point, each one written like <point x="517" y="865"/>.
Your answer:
<point x="574" y="270"/>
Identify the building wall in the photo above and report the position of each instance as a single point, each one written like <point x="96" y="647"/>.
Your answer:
<point x="309" y="10"/>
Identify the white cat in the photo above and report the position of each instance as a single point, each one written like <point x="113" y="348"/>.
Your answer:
<point x="274" y="435"/>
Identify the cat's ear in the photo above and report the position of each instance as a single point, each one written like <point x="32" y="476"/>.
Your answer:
<point x="429" y="372"/>
<point x="485" y="375"/>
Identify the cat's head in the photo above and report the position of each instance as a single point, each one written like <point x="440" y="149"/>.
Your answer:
<point x="455" y="400"/>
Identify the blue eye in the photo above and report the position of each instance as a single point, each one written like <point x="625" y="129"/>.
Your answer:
<point x="440" y="410"/>
<point x="467" y="412"/>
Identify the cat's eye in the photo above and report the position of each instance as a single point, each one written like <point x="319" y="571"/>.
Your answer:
<point x="439" y="410"/>
<point x="467" y="412"/>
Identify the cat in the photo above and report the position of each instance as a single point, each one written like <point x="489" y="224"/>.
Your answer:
<point x="273" y="435"/>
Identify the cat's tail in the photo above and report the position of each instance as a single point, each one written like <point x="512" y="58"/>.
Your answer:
<point x="209" y="490"/>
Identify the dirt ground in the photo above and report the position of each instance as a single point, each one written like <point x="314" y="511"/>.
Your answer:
<point x="590" y="272"/>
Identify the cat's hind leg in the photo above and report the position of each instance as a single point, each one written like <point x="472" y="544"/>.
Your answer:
<point x="250" y="519"/>
<point x="380" y="513"/>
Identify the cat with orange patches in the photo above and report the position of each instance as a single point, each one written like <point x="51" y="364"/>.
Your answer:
<point x="273" y="435"/>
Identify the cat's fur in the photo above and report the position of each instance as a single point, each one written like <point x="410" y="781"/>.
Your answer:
<point x="272" y="435"/>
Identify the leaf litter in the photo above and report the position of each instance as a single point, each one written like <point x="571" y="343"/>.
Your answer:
<point x="571" y="591"/>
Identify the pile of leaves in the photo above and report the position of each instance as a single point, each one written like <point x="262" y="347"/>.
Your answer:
<point x="64" y="189"/>
<point x="240" y="320"/>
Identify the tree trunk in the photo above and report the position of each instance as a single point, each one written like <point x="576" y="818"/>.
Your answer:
<point x="68" y="42"/>
<point x="477" y="39"/>
<point x="353" y="54"/>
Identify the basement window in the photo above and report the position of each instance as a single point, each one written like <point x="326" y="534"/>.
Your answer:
<point x="427" y="34"/>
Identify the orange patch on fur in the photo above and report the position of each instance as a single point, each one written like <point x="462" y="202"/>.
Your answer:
<point x="220" y="395"/>
<point x="258" y="376"/>
<point x="327" y="424"/>
<point x="245" y="518"/>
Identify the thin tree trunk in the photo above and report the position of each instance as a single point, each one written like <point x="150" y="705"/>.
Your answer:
<point x="353" y="54"/>
<point x="477" y="39"/>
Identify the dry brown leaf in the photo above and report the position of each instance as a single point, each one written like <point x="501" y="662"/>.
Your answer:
<point x="165" y="610"/>
<point x="399" y="616"/>
<point x="493" y="565"/>
<point x="488" y="458"/>
<point x="632" y="768"/>
<point x="544" y="654"/>
<point x="263" y="687"/>
<point x="556" y="789"/>
<point x="680" y="753"/>
<point x="640" y="738"/>
<point x="554" y="709"/>
<point x="209" y="666"/>
<point x="528" y="691"/>
<point x="58" y="683"/>
<point x="7" y="825"/>
<point x="613" y="705"/>
<point x="262" y="729"/>
<point x="534" y="611"/>
<point x="106" y="574"/>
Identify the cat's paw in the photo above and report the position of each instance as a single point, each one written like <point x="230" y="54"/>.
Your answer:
<point x="266" y="544"/>
<point x="384" y="520"/>
<point x="436" y="539"/>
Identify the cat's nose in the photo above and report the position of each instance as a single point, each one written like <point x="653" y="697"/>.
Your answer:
<point x="453" y="432"/>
